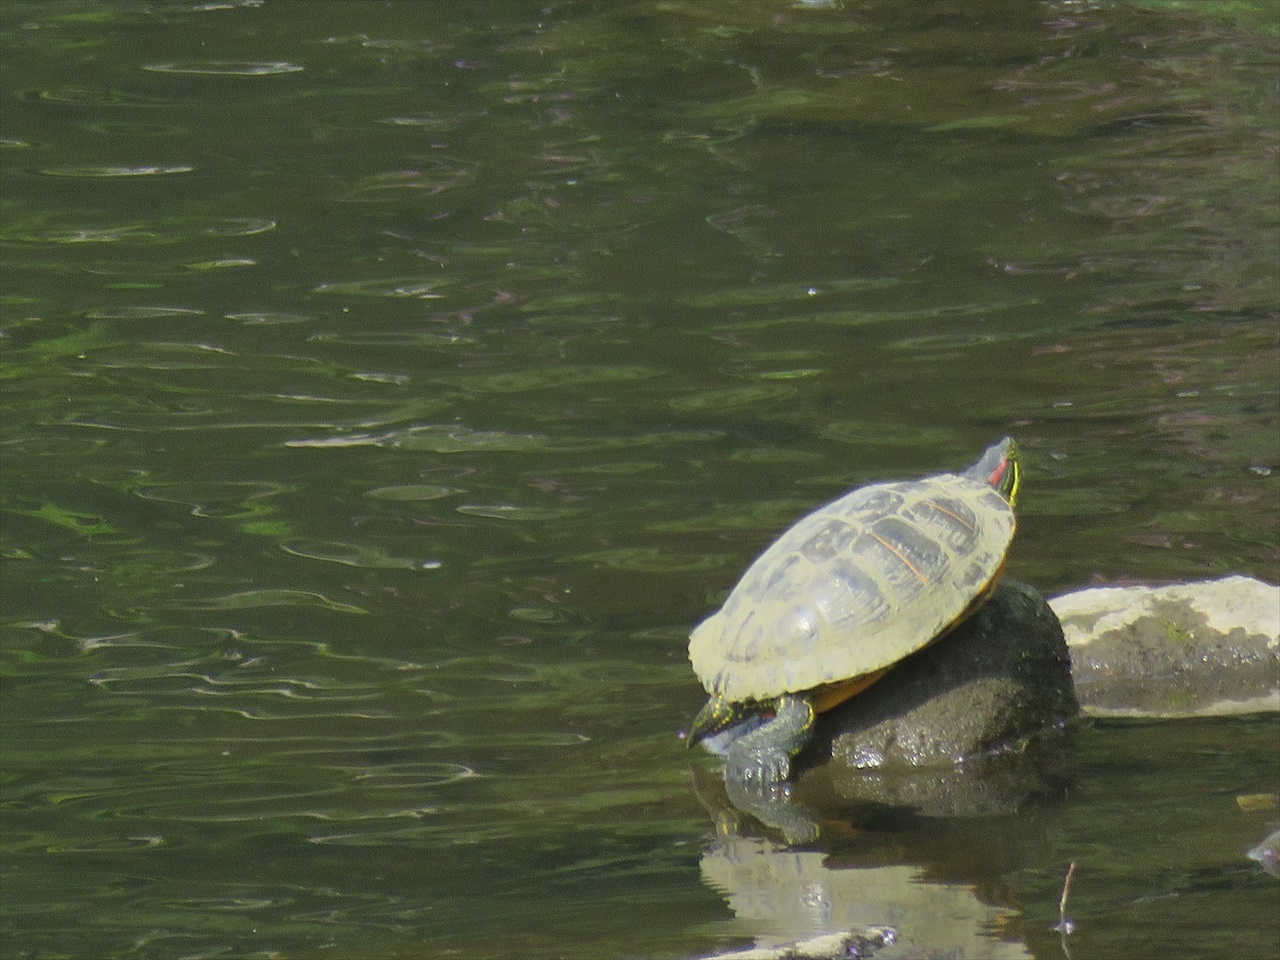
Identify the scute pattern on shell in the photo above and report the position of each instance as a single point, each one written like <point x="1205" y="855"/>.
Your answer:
<point x="854" y="587"/>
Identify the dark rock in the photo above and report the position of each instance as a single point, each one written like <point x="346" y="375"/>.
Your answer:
<point x="996" y="682"/>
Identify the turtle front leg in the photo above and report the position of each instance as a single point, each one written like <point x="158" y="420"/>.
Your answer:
<point x="761" y="759"/>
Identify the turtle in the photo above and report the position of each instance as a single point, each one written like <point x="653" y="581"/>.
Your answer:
<point x="838" y="599"/>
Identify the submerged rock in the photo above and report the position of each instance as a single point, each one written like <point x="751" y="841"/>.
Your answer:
<point x="1194" y="649"/>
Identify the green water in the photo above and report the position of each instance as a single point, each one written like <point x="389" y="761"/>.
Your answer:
<point x="389" y="387"/>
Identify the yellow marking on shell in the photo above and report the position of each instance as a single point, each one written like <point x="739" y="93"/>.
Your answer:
<point x="952" y="514"/>
<point x="981" y="596"/>
<point x="897" y="553"/>
<point x="838" y="693"/>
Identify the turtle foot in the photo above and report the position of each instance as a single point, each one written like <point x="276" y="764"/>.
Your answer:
<point x="760" y="771"/>
<point x="756" y="783"/>
<point x="772" y="806"/>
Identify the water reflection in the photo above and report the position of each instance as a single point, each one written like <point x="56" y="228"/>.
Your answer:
<point x="931" y="880"/>
<point x="1267" y="853"/>
<point x="633" y="284"/>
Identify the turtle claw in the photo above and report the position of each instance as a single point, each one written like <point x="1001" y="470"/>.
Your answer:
<point x="762" y="772"/>
<point x="760" y="761"/>
<point x="758" y="786"/>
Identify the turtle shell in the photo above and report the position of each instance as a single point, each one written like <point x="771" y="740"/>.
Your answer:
<point x="855" y="586"/>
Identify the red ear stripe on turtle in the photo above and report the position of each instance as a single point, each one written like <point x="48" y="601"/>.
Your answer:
<point x="997" y="475"/>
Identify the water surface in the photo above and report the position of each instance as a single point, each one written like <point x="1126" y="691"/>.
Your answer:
<point x="389" y="387"/>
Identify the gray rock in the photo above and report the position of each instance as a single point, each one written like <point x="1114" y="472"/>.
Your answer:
<point x="1195" y="649"/>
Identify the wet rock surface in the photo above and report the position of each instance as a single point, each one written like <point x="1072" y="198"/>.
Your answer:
<point x="1193" y="649"/>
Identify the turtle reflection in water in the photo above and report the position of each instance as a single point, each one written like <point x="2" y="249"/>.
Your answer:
<point x="841" y="597"/>
<point x="1267" y="853"/>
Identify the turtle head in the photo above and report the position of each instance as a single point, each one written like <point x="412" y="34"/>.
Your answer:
<point x="999" y="468"/>
<point x="716" y="715"/>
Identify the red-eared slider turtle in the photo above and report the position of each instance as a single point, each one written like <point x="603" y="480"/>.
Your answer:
<point x="842" y="596"/>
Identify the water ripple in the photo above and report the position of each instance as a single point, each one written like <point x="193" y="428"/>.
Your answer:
<point x="507" y="511"/>
<point x="653" y="560"/>
<point x="99" y="97"/>
<point x="412" y="492"/>
<point x="146" y="232"/>
<point x="356" y="555"/>
<point x="454" y="439"/>
<point x="201" y="495"/>
<point x="544" y="378"/>
<point x="733" y="397"/>
<point x="415" y="287"/>
<point x="109" y="172"/>
<point x="226" y="68"/>
<point x="393" y="338"/>
<point x="264" y="318"/>
<point x="270" y="598"/>
<point x="142" y="313"/>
